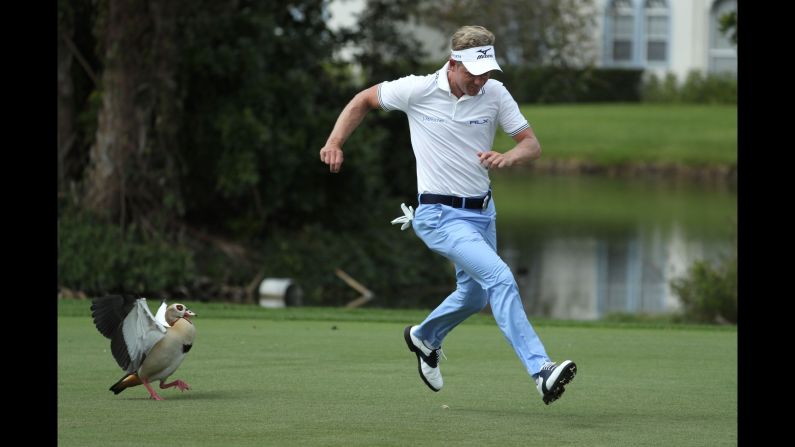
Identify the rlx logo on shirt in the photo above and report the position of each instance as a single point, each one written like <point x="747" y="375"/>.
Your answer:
<point x="483" y="121"/>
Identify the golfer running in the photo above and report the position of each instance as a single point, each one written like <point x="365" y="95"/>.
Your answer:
<point x="453" y="116"/>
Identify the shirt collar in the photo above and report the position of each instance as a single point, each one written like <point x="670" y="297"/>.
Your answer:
<point x="441" y="78"/>
<point x="444" y="84"/>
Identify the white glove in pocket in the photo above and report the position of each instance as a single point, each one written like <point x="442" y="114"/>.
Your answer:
<point x="405" y="219"/>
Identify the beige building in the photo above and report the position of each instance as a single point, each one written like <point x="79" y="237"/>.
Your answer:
<point x="665" y="36"/>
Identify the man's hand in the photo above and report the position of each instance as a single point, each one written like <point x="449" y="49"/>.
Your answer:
<point x="332" y="156"/>
<point x="527" y="149"/>
<point x="492" y="159"/>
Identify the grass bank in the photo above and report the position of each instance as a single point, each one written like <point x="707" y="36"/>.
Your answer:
<point x="342" y="381"/>
<point x="605" y="135"/>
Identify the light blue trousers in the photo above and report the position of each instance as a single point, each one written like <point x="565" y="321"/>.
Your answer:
<point x="469" y="239"/>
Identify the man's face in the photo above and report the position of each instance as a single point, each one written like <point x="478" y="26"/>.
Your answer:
<point x="466" y="81"/>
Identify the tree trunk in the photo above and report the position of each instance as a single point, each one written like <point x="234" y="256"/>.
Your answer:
<point x="66" y="110"/>
<point x="135" y="128"/>
<point x="119" y="125"/>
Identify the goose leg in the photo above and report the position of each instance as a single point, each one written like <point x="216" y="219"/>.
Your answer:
<point x="151" y="391"/>
<point x="177" y="383"/>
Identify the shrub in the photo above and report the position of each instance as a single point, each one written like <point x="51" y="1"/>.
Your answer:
<point x="394" y="265"/>
<point x="571" y="85"/>
<point x="98" y="257"/>
<point x="720" y="88"/>
<point x="550" y="84"/>
<point x="714" y="88"/>
<point x="709" y="292"/>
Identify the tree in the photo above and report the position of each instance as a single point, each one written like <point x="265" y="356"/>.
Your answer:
<point x="66" y="108"/>
<point x="709" y="291"/>
<point x="206" y="120"/>
<point x="728" y="25"/>
<point x="130" y="160"/>
<point x="261" y="95"/>
<point x="207" y="110"/>
<point x="385" y="47"/>
<point x="528" y="32"/>
<point x="387" y="50"/>
<point x="77" y="79"/>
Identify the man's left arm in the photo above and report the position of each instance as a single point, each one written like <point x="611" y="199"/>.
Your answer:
<point x="527" y="149"/>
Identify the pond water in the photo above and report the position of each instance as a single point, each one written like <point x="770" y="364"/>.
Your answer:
<point x="583" y="247"/>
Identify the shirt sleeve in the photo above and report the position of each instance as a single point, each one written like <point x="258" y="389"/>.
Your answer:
<point x="511" y="119"/>
<point x="396" y="95"/>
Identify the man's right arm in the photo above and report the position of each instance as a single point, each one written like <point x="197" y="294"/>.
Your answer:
<point x="349" y="119"/>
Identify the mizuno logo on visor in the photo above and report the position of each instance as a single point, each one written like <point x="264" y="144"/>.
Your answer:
<point x="485" y="53"/>
<point x="473" y="54"/>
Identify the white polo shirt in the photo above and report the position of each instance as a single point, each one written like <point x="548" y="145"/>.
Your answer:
<point x="447" y="132"/>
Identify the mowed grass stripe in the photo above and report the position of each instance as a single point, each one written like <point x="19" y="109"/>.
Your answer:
<point x="348" y="383"/>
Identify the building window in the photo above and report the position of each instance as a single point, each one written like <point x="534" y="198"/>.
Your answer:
<point x="656" y="12"/>
<point x="722" y="53"/>
<point x="622" y="30"/>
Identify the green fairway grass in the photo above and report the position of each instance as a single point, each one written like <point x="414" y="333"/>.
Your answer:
<point x="615" y="134"/>
<point x="338" y="378"/>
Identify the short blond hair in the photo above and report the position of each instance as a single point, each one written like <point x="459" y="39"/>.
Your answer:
<point x="470" y="36"/>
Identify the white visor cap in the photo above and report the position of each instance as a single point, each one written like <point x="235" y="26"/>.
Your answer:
<point x="477" y="60"/>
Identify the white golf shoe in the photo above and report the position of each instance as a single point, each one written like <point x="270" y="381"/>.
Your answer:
<point x="552" y="378"/>
<point x="427" y="360"/>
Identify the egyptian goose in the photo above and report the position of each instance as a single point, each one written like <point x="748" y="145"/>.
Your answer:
<point x="146" y="347"/>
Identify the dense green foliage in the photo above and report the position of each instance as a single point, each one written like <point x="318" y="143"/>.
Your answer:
<point x="549" y="84"/>
<point x="394" y="265"/>
<point x="728" y="25"/>
<point x="239" y="189"/>
<point x="97" y="257"/>
<point x="258" y="104"/>
<point x="94" y="255"/>
<point x="555" y="85"/>
<point x="709" y="292"/>
<point x="696" y="88"/>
